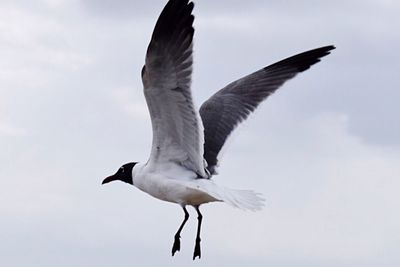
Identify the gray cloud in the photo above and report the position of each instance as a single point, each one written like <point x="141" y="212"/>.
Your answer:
<point x="323" y="150"/>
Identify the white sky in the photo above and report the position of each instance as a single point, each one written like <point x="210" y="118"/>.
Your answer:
<point x="324" y="150"/>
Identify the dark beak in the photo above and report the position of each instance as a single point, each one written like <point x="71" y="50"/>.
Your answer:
<point x="109" y="179"/>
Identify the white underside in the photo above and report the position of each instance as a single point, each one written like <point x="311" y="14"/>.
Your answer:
<point x="174" y="183"/>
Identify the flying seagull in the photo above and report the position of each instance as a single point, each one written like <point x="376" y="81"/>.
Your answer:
<point x="187" y="142"/>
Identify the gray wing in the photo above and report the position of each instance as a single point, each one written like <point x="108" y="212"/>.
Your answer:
<point x="177" y="127"/>
<point x="222" y="112"/>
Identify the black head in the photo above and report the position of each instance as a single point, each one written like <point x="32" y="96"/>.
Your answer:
<point x="123" y="174"/>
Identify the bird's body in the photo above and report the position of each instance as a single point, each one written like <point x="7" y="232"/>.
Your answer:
<point x="173" y="183"/>
<point x="187" y="142"/>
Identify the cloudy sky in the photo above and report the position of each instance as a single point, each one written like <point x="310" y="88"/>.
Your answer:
<point x="324" y="150"/>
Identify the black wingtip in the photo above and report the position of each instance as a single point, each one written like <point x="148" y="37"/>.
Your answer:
<point x="311" y="57"/>
<point x="176" y="13"/>
<point x="320" y="52"/>
<point x="174" y="26"/>
<point x="303" y="61"/>
<point x="330" y="47"/>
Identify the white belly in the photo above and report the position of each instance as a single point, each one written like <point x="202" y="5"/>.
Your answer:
<point x="177" y="186"/>
<point x="174" y="183"/>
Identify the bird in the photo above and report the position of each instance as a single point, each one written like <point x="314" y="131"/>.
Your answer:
<point x="187" y="142"/>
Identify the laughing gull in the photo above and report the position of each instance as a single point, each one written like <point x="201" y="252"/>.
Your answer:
<point x="186" y="143"/>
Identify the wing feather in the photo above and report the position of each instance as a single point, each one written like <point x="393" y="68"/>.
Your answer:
<point x="223" y="111"/>
<point x="177" y="127"/>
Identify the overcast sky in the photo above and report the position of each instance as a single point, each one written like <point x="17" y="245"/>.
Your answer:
<point x="324" y="150"/>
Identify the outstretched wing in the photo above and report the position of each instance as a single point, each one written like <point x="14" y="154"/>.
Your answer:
<point x="222" y="112"/>
<point x="177" y="128"/>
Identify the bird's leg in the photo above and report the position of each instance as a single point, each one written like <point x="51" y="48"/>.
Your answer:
<point x="177" y="243"/>
<point x="197" y="251"/>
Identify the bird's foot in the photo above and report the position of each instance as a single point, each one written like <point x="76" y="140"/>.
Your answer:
<point x="197" y="250"/>
<point x="177" y="245"/>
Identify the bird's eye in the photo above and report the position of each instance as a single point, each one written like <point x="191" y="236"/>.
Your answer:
<point x="121" y="169"/>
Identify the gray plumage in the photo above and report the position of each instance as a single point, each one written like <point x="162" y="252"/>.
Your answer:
<point x="177" y="129"/>
<point x="222" y="112"/>
<point x="179" y="135"/>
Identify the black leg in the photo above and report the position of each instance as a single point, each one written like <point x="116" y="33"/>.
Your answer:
<point x="177" y="243"/>
<point x="197" y="250"/>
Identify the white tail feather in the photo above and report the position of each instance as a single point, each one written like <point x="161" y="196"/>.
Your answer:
<point x="243" y="199"/>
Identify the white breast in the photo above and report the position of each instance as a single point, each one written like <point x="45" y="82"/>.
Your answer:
<point x="172" y="183"/>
